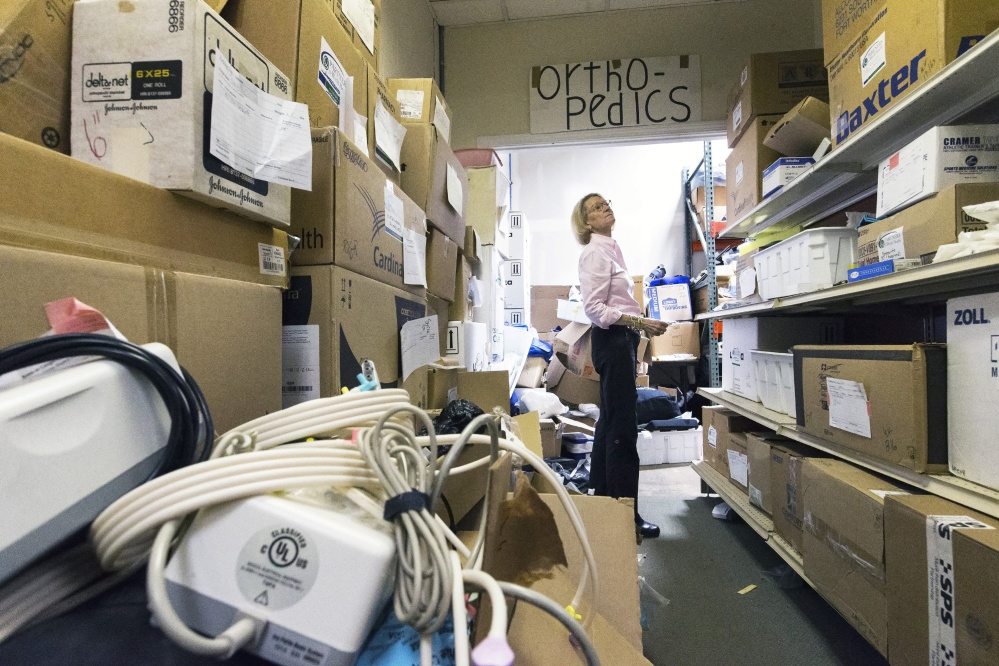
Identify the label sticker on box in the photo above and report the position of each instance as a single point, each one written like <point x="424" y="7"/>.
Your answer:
<point x="299" y="364"/>
<point x="737" y="116"/>
<point x="712" y="437"/>
<point x="271" y="259"/>
<point x="360" y="126"/>
<point x="389" y="135"/>
<point x="755" y="495"/>
<point x="332" y="75"/>
<point x="941" y="588"/>
<point x="395" y="213"/>
<point x="885" y="493"/>
<point x="891" y="245"/>
<point x="415" y="258"/>
<point x="744" y="76"/>
<point x="441" y="121"/>
<point x="410" y="103"/>
<point x="455" y="195"/>
<point x="361" y="14"/>
<point x="738" y="467"/>
<point x="873" y="60"/>
<point x="849" y="409"/>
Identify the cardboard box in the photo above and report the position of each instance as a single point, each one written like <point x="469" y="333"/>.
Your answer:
<point x="737" y="461"/>
<point x="920" y="229"/>
<point x="382" y="143"/>
<point x="551" y="446"/>
<point x="718" y="424"/>
<point x="670" y="302"/>
<point x="461" y="306"/>
<point x="891" y="47"/>
<point x="772" y="83"/>
<point x="488" y="204"/>
<point x="679" y="338"/>
<point x="572" y="347"/>
<point x="226" y="333"/>
<point x="157" y="129"/>
<point x="421" y="101"/>
<point x="801" y="130"/>
<point x="782" y="173"/>
<point x="786" y="462"/>
<point x="442" y="387"/>
<point x="473" y="245"/>
<point x="843" y="543"/>
<point x="515" y="284"/>
<point x="343" y="219"/>
<point x="699" y="298"/>
<point x="362" y="21"/>
<point x="776" y="334"/>
<point x="442" y="262"/>
<point x="941" y="157"/>
<point x="467" y="341"/>
<point x="920" y="531"/>
<point x="428" y="166"/>
<point x="544" y="305"/>
<point x="533" y="374"/>
<point x="721" y="196"/>
<point x="571" y="388"/>
<point x="487" y="389"/>
<point x="101" y="215"/>
<point x="892" y="406"/>
<point x="438" y="306"/>
<point x="35" y="41"/>
<point x="744" y="167"/>
<point x="758" y="447"/>
<point x="972" y="376"/>
<point x="306" y="42"/>
<point x="341" y="318"/>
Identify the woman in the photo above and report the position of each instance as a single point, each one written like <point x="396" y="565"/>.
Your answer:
<point x="607" y="287"/>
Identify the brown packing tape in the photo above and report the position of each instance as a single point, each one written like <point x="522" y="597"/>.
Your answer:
<point x="844" y="548"/>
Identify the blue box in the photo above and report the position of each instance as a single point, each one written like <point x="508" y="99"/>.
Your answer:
<point x="886" y="267"/>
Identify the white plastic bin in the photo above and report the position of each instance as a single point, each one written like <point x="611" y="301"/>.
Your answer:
<point x="683" y="446"/>
<point x="812" y="260"/>
<point x="775" y="380"/>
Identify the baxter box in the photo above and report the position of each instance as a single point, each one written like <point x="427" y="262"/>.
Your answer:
<point x="718" y="423"/>
<point x="941" y="560"/>
<point x="421" y="101"/>
<point x="786" y="462"/>
<point x="442" y="262"/>
<point x="942" y="157"/>
<point x="782" y="173"/>
<point x="744" y="167"/>
<point x="843" y="542"/>
<point x="335" y="319"/>
<point x="353" y="217"/>
<point x="776" y="334"/>
<point x="972" y="383"/>
<point x="773" y="83"/>
<point x="142" y="101"/>
<point x="920" y="229"/>
<point x="435" y="179"/>
<point x="305" y="41"/>
<point x="226" y="333"/>
<point x="886" y="402"/>
<point x="102" y="215"/>
<point x="670" y="302"/>
<point x="883" y="50"/>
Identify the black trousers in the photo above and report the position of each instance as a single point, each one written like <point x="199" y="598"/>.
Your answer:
<point x="614" y="462"/>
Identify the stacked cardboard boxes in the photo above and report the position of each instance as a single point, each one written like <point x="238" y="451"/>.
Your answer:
<point x="516" y="297"/>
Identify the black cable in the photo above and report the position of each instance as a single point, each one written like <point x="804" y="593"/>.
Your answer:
<point x="191" y="428"/>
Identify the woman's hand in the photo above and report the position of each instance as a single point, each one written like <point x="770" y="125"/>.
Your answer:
<point x="653" y="327"/>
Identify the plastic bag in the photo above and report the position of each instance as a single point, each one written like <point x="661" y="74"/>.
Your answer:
<point x="456" y="416"/>
<point x="546" y="404"/>
<point x="651" y="602"/>
<point x="575" y="472"/>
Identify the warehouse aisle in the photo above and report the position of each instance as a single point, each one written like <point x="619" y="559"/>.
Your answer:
<point x="700" y="564"/>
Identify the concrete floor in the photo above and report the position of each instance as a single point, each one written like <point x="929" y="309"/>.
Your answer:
<point x="700" y="563"/>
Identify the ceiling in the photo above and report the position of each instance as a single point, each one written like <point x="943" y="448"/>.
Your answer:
<point x="471" y="12"/>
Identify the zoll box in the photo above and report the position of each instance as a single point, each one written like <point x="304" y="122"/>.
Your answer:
<point x="941" y="559"/>
<point x="920" y="229"/>
<point x="142" y="84"/>
<point x="843" y="542"/>
<point x="942" y="157"/>
<point x="973" y="387"/>
<point x="886" y="402"/>
<point x="353" y="217"/>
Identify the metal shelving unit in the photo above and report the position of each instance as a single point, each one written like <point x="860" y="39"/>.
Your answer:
<point x="966" y="493"/>
<point x="958" y="93"/>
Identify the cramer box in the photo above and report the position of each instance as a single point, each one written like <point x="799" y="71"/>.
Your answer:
<point x="142" y="100"/>
<point x="942" y="157"/>
<point x="885" y="402"/>
<point x="353" y="217"/>
<point x="335" y="319"/>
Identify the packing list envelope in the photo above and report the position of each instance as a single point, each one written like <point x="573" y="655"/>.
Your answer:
<point x="420" y="344"/>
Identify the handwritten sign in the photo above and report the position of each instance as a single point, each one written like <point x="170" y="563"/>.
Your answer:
<point x="610" y="94"/>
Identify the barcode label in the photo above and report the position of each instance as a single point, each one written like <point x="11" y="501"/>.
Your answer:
<point x="271" y="259"/>
<point x="297" y="389"/>
<point x="299" y="364"/>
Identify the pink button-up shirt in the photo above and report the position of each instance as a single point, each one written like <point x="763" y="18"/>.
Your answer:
<point x="605" y="283"/>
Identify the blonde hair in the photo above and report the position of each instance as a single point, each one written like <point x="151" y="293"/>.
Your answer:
<point x="579" y="215"/>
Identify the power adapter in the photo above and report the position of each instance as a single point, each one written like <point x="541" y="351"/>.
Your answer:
<point x="318" y="576"/>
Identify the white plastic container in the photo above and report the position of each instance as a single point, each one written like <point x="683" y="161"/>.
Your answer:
<point x="669" y="447"/>
<point x="812" y="260"/>
<point x="775" y="380"/>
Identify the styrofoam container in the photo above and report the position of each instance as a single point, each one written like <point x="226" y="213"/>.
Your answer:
<point x="651" y="450"/>
<point x="812" y="260"/>
<point x="775" y="380"/>
<point x="669" y="447"/>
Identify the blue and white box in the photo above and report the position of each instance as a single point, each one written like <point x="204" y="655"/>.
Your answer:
<point x="670" y="302"/>
<point x="781" y="173"/>
<point x="941" y="157"/>
<point x="886" y="267"/>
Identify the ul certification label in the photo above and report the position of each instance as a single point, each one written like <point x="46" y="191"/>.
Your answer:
<point x="277" y="567"/>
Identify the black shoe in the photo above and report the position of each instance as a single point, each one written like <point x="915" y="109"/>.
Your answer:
<point x="647" y="530"/>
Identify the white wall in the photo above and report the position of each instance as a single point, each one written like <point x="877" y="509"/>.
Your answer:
<point x="642" y="181"/>
<point x="409" y="40"/>
<point x="487" y="67"/>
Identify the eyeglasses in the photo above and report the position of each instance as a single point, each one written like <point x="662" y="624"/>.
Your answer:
<point x="600" y="207"/>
